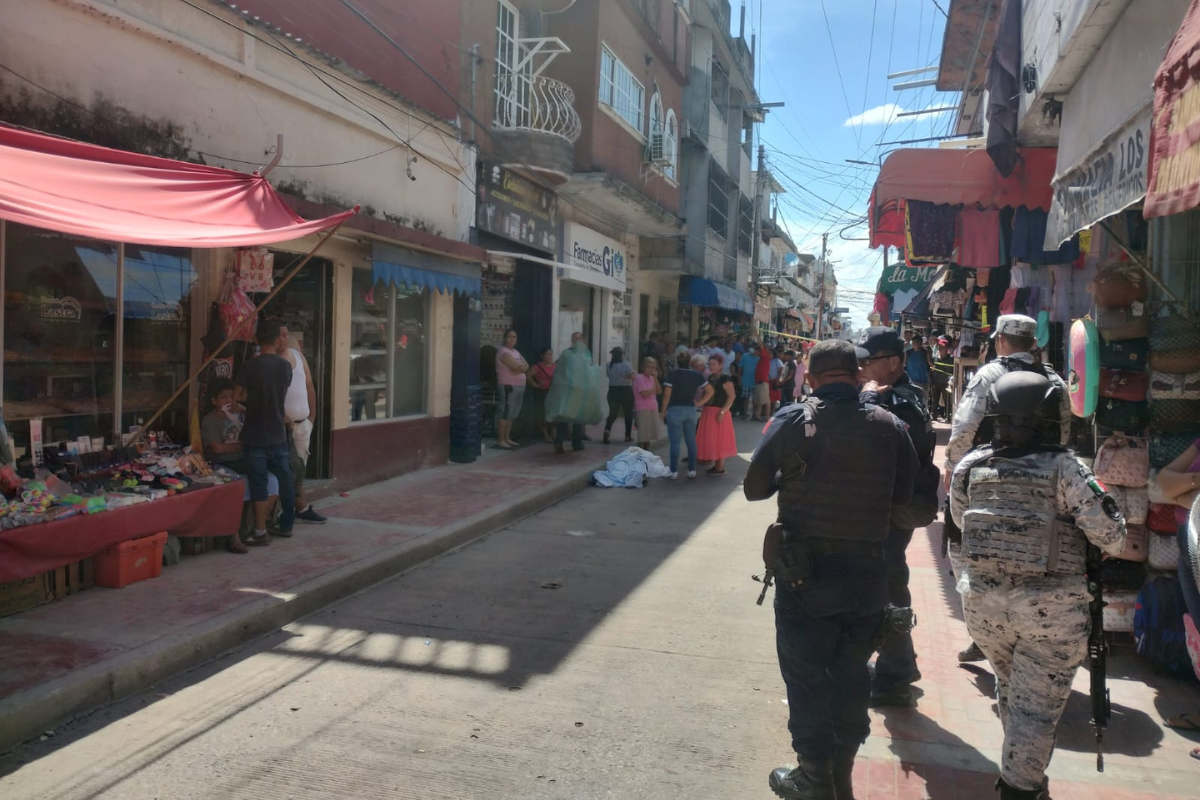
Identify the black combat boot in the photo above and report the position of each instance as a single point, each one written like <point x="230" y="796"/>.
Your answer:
<point x="1011" y="793"/>
<point x="843" y="773"/>
<point x="812" y="780"/>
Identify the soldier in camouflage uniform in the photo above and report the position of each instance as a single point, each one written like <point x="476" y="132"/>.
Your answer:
<point x="1025" y="507"/>
<point x="1013" y="338"/>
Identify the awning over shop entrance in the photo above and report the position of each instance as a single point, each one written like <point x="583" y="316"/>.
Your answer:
<point x="954" y="177"/>
<point x="703" y="292"/>
<point x="1175" y="140"/>
<point x="93" y="191"/>
<point x="412" y="268"/>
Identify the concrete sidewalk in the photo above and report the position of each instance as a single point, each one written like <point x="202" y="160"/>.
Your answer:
<point x="72" y="656"/>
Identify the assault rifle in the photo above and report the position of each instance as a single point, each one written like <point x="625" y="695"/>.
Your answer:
<point x="1097" y="654"/>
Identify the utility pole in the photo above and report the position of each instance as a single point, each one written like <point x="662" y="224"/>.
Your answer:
<point x="821" y="299"/>
<point x="755" y="246"/>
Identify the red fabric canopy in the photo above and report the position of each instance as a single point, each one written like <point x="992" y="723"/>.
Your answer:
<point x="955" y="177"/>
<point x="1175" y="135"/>
<point x="93" y="191"/>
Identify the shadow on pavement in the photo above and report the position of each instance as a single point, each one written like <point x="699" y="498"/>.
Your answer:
<point x="504" y="610"/>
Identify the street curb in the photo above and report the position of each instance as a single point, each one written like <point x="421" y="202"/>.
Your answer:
<point x="27" y="714"/>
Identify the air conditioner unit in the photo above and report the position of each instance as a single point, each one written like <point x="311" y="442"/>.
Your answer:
<point x="657" y="149"/>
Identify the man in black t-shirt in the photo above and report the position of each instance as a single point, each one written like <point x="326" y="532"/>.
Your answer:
<point x="263" y="385"/>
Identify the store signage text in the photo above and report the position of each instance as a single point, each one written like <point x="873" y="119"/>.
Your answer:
<point x="608" y="260"/>
<point x="900" y="277"/>
<point x="61" y="309"/>
<point x="597" y="254"/>
<point x="516" y="208"/>
<point x="1108" y="181"/>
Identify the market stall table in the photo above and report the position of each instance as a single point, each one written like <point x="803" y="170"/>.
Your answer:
<point x="33" y="549"/>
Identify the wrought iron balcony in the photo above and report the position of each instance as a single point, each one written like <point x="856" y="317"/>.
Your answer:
<point x="536" y="104"/>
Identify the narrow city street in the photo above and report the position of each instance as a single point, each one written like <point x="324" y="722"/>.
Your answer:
<point x="608" y="646"/>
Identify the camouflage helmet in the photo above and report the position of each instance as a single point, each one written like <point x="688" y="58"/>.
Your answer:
<point x="1023" y="395"/>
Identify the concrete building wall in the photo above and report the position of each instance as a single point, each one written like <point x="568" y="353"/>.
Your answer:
<point x="229" y="95"/>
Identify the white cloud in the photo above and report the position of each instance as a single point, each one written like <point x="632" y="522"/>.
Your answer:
<point x="879" y="115"/>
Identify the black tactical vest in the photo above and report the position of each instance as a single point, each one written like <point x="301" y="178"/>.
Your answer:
<point x="987" y="426"/>
<point x="837" y="479"/>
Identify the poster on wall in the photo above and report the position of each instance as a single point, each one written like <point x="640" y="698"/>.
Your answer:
<point x="516" y="208"/>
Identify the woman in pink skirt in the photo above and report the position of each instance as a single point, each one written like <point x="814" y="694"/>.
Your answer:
<point x="715" y="440"/>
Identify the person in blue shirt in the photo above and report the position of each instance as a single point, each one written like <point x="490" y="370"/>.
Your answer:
<point x="917" y="363"/>
<point x="749" y="362"/>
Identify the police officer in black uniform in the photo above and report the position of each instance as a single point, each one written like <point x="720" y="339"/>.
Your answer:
<point x="886" y="384"/>
<point x="840" y="466"/>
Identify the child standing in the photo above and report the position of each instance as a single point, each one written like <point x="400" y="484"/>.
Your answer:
<point x="646" y="390"/>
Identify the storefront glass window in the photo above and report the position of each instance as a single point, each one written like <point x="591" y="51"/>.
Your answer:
<point x="387" y="349"/>
<point x="59" y="326"/>
<point x="158" y="313"/>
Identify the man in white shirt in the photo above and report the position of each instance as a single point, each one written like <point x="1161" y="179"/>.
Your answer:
<point x="300" y="411"/>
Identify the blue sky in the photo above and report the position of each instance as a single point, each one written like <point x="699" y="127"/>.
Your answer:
<point x="809" y="140"/>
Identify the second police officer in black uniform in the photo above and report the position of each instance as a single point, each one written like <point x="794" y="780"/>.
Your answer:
<point x="885" y="383"/>
<point x="840" y="466"/>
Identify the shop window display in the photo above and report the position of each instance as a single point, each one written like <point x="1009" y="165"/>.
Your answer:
<point x="388" y="349"/>
<point x="60" y="359"/>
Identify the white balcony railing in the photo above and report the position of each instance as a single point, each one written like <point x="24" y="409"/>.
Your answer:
<point x="536" y="104"/>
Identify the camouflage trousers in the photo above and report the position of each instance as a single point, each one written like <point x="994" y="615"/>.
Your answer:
<point x="1034" y="634"/>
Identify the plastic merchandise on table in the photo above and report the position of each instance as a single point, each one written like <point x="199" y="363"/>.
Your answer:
<point x="579" y="391"/>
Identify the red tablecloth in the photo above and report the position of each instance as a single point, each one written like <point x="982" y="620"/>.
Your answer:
<point x="34" y="549"/>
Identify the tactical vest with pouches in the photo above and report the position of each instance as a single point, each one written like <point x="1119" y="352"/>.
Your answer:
<point x="1011" y="526"/>
<point x="839" y="451"/>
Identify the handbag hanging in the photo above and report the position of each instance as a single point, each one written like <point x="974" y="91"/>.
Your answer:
<point x="1131" y="416"/>
<point x="1172" y="333"/>
<point x="1118" y="324"/>
<point x="1119" y="286"/>
<point x="1176" y="361"/>
<point x="1124" y="385"/>
<point x="1174" y="386"/>
<point x="1161" y="518"/>
<point x="1130" y="355"/>
<point x="1175" y="416"/>
<point x="1123" y="461"/>
<point x="1166" y="447"/>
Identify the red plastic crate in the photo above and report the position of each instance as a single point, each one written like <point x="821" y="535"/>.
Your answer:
<point x="129" y="562"/>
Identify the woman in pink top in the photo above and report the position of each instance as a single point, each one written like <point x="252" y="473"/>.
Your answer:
<point x="646" y="390"/>
<point x="511" y="368"/>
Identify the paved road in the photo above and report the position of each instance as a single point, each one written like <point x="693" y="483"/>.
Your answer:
<point x="608" y="647"/>
<point x="647" y="672"/>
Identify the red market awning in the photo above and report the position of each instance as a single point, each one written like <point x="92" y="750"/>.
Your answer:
<point x="98" y="192"/>
<point x="955" y="177"/>
<point x="1175" y="131"/>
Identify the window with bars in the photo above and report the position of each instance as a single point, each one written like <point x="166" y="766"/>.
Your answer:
<point x="512" y="87"/>
<point x="745" y="224"/>
<point x="719" y="187"/>
<point x="622" y="92"/>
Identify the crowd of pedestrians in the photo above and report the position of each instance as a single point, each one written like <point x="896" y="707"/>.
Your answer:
<point x="690" y="393"/>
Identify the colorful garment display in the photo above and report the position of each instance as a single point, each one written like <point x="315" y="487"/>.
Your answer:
<point x="1029" y="235"/>
<point x="930" y="230"/>
<point x="980" y="241"/>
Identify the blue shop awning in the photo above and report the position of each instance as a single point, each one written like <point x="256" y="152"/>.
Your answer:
<point x="703" y="292"/>
<point x="410" y="268"/>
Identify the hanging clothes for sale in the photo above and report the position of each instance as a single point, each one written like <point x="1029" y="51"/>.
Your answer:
<point x="1029" y="234"/>
<point x="980" y="240"/>
<point x="930" y="231"/>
